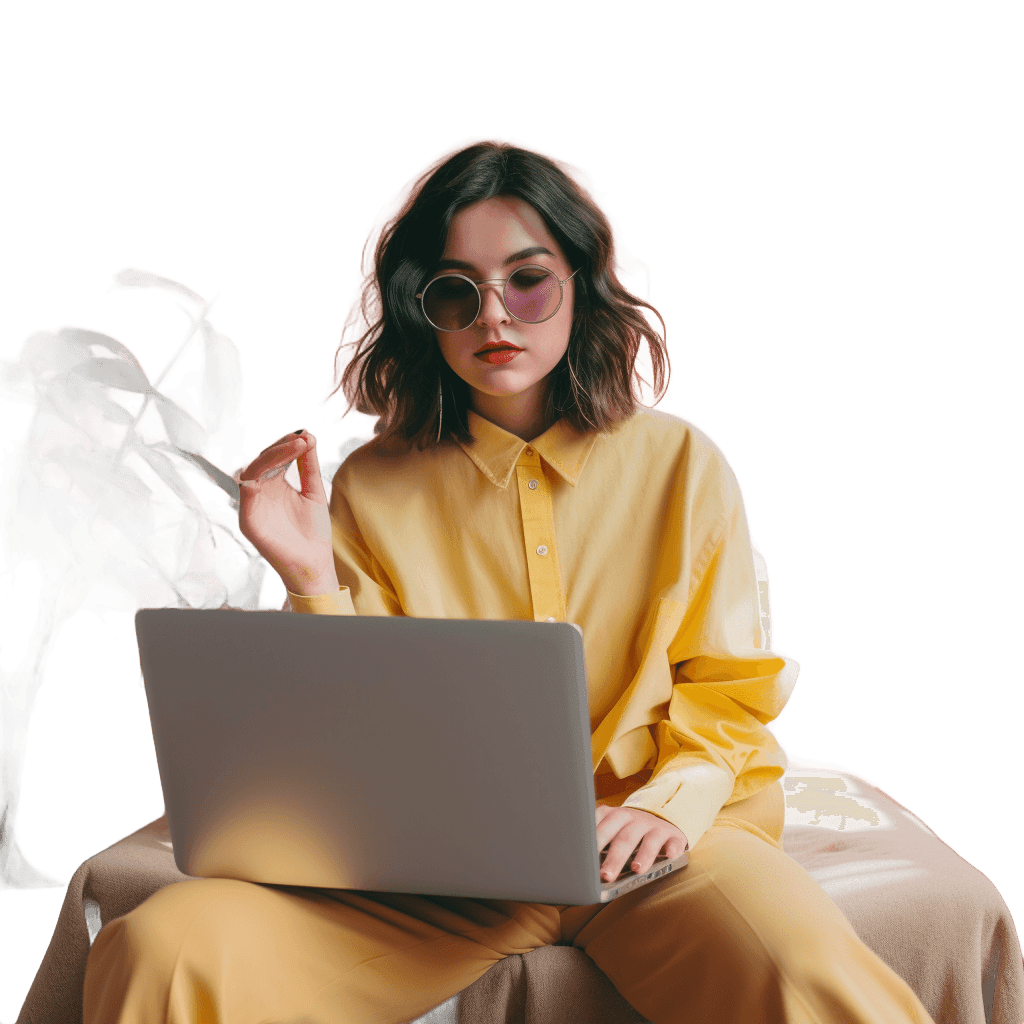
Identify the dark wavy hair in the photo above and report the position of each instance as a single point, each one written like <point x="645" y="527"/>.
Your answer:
<point x="395" y="369"/>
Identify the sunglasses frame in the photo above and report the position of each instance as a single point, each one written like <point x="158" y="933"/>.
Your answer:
<point x="503" y="281"/>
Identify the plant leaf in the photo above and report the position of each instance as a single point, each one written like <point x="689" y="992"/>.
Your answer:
<point x="160" y="464"/>
<point x="185" y="433"/>
<point x="80" y="336"/>
<point x="218" y="476"/>
<point x="132" y="278"/>
<point x="111" y="373"/>
<point x="45" y="352"/>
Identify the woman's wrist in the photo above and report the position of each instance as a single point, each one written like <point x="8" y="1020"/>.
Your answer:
<point x="312" y="587"/>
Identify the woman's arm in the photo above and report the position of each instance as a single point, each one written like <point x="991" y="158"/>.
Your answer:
<point x="713" y="747"/>
<point x="288" y="527"/>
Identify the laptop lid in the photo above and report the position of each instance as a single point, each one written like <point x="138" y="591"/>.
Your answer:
<point x="434" y="756"/>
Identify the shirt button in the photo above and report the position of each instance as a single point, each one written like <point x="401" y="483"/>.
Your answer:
<point x="532" y="485"/>
<point x="551" y="618"/>
<point x="542" y="550"/>
<point x="529" y="451"/>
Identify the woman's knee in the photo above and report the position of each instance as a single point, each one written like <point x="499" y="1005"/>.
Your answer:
<point x="159" y="927"/>
<point x="765" y="810"/>
<point x="740" y="900"/>
<point x="134" y="957"/>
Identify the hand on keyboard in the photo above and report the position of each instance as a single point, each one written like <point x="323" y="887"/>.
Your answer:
<point x="625" y="829"/>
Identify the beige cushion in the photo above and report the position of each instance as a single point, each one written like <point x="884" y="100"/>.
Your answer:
<point x="937" y="921"/>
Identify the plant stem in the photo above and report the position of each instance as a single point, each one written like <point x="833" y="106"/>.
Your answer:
<point x="193" y="327"/>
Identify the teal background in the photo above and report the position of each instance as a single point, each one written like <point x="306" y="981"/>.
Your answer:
<point x="822" y="201"/>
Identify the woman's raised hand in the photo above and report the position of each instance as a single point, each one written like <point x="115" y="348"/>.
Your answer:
<point x="291" y="529"/>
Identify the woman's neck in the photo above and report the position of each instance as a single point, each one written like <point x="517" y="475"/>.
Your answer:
<point x="522" y="415"/>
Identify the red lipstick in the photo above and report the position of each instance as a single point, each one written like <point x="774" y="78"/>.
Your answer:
<point x="498" y="352"/>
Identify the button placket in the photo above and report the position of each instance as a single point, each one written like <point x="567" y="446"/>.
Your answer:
<point x="539" y="536"/>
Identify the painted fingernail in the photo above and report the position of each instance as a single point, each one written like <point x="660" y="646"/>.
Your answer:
<point x="299" y="431"/>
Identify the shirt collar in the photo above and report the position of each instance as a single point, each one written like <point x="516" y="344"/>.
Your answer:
<point x="496" y="451"/>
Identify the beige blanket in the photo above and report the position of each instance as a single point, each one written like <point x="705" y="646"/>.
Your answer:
<point x="937" y="921"/>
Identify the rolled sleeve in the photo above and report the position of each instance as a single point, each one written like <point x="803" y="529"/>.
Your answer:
<point x="713" y="747"/>
<point x="339" y="603"/>
<point x="688" y="796"/>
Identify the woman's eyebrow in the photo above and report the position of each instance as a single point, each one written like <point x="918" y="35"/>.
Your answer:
<point x="533" y="250"/>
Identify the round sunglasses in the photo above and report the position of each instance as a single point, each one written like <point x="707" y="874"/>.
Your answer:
<point x="531" y="294"/>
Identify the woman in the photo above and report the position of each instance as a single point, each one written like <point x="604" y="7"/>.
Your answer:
<point x="515" y="476"/>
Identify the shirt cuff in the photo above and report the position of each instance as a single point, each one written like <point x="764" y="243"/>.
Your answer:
<point x="323" y="604"/>
<point x="689" y="797"/>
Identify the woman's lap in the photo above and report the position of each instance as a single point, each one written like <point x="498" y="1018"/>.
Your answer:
<point x="742" y="924"/>
<point x="260" y="951"/>
<point x="743" y="933"/>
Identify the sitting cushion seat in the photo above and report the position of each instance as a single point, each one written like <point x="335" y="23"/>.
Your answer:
<point x="932" y="917"/>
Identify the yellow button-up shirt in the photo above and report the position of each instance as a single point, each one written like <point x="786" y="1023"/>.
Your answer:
<point x="638" y="536"/>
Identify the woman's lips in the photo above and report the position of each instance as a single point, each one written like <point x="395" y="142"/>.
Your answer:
<point x="498" y="355"/>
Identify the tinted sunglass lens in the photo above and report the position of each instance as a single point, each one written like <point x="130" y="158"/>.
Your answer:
<point x="532" y="294"/>
<point x="451" y="303"/>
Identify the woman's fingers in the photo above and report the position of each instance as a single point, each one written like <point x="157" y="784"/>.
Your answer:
<point x="312" y="484"/>
<point x="290" y="528"/>
<point x="622" y="845"/>
<point x="654" y="845"/>
<point x="629" y="830"/>
<point x="648" y="852"/>
<point x="614" y="823"/>
<point x="275" y="458"/>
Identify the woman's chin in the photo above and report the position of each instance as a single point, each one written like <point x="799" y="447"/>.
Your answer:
<point x="510" y="392"/>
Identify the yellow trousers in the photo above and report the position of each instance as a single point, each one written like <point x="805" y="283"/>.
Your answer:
<point x="741" y="935"/>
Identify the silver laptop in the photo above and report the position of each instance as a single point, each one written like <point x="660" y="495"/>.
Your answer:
<point x="444" y="757"/>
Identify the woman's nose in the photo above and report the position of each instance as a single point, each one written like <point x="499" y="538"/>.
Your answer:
<point x="492" y="309"/>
